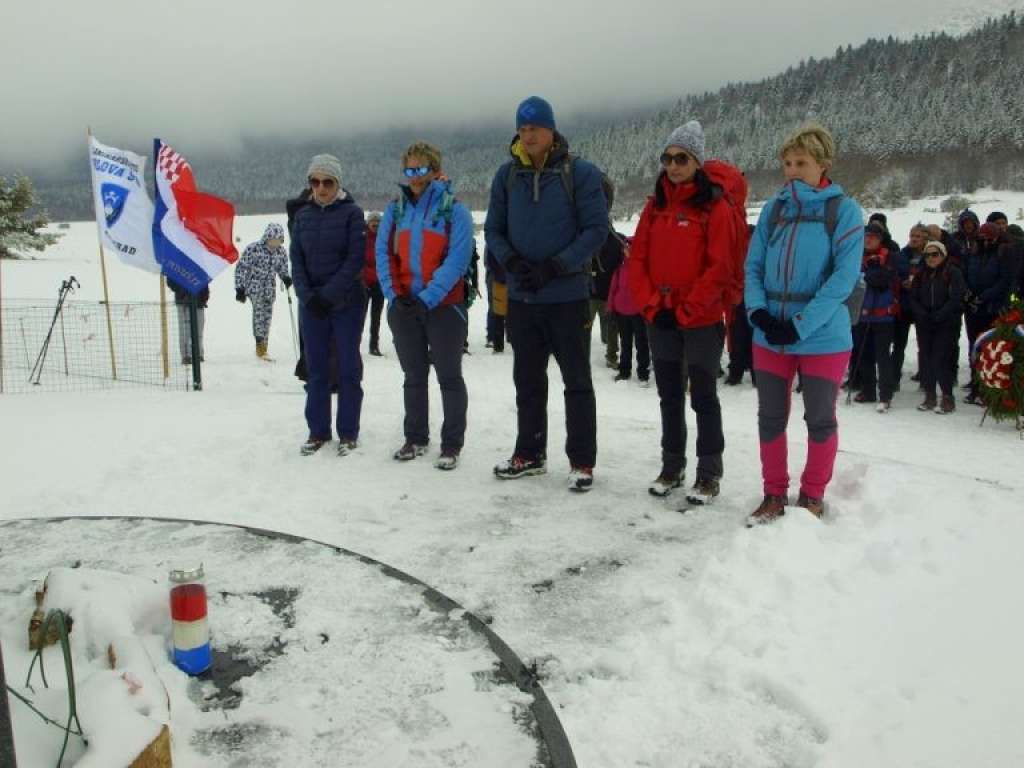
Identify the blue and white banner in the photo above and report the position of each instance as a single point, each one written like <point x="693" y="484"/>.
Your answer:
<point x="124" y="211"/>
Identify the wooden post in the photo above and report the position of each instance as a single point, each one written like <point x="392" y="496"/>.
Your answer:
<point x="103" y="264"/>
<point x="163" y="328"/>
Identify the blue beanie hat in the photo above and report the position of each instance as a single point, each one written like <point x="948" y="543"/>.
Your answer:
<point x="535" y="111"/>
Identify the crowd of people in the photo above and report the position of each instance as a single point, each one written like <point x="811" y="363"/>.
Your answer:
<point x="810" y="293"/>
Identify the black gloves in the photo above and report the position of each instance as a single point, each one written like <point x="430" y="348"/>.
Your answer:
<point x="287" y="281"/>
<point x="666" y="320"/>
<point x="240" y="295"/>
<point x="762" y="318"/>
<point x="538" y="275"/>
<point x="517" y="265"/>
<point x="411" y="307"/>
<point x="779" y="333"/>
<point x="318" y="306"/>
<point x="782" y="334"/>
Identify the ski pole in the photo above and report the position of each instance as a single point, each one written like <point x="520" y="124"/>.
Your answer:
<point x="291" y="316"/>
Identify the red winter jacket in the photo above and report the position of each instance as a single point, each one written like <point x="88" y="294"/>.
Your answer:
<point x="370" y="270"/>
<point x="681" y="258"/>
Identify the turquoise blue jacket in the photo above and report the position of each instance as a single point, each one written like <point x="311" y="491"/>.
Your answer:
<point x="816" y="272"/>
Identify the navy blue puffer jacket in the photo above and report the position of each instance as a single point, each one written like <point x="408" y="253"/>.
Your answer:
<point x="328" y="252"/>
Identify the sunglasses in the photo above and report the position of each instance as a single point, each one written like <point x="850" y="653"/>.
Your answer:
<point x="681" y="159"/>
<point x="325" y="183"/>
<point x="421" y="171"/>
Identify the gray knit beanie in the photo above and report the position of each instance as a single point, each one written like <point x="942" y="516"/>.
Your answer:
<point x="326" y="165"/>
<point x="689" y="137"/>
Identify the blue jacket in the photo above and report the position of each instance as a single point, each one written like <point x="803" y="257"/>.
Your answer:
<point x="328" y="252"/>
<point x="798" y="261"/>
<point x="427" y="264"/>
<point x="881" y="298"/>
<point x="537" y="221"/>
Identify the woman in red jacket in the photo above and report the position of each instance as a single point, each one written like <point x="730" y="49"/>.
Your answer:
<point x="679" y="272"/>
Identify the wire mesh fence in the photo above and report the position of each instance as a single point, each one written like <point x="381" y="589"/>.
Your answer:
<point x="46" y="348"/>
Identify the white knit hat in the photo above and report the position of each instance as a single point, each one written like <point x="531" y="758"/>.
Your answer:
<point x="689" y="137"/>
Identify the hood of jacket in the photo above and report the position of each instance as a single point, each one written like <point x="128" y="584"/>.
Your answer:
<point x="558" y="152"/>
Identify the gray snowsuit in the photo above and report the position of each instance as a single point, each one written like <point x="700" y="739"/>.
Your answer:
<point x="254" y="276"/>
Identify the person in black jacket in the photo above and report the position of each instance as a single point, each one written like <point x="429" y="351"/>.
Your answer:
<point x="936" y="299"/>
<point x="327" y="254"/>
<point x="602" y="268"/>
<point x="988" y="290"/>
<point x="181" y="303"/>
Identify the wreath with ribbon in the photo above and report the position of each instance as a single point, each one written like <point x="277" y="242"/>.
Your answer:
<point x="999" y="366"/>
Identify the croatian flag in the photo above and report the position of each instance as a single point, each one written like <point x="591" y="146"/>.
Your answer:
<point x="192" y="231"/>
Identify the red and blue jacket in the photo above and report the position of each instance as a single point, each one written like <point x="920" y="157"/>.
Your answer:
<point x="424" y="247"/>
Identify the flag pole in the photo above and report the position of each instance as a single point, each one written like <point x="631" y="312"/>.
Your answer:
<point x="1" y="326"/>
<point x="103" y="263"/>
<point x="163" y="328"/>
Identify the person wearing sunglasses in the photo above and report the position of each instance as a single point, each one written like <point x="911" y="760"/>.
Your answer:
<point x="423" y="246"/>
<point x="680" y="267"/>
<point x="547" y="217"/>
<point x="936" y="299"/>
<point x="328" y="255"/>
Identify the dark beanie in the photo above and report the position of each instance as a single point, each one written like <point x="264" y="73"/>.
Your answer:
<point x="996" y="215"/>
<point x="875" y="228"/>
<point x="880" y="217"/>
<point x="535" y="111"/>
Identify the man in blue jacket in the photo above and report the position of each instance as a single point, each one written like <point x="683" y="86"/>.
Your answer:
<point x="327" y="255"/>
<point x="547" y="217"/>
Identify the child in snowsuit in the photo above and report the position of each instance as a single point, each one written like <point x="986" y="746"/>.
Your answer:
<point x="254" y="280"/>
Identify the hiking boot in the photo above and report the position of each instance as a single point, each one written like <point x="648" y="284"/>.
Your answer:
<point x="973" y="399"/>
<point x="581" y="479"/>
<point x="665" y="484"/>
<point x="947" y="406"/>
<point x="644" y="381"/>
<point x="733" y="379"/>
<point x="345" y="447"/>
<point x="884" y="406"/>
<point x="916" y="377"/>
<point x="519" y="466"/>
<point x="769" y="510"/>
<point x="261" y="349"/>
<point x="928" y="404"/>
<point x="375" y="351"/>
<point x="815" y="506"/>
<point x="862" y="398"/>
<point x="409" y="451"/>
<point x="611" y="363"/>
<point x="497" y="350"/>
<point x="703" y="491"/>
<point x="449" y="459"/>
<point x="623" y="377"/>
<point x="186" y="361"/>
<point x="312" y="445"/>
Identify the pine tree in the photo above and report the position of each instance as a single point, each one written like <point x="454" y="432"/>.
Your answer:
<point x="19" y="231"/>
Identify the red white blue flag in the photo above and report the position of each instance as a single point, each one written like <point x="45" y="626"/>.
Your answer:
<point x="192" y="231"/>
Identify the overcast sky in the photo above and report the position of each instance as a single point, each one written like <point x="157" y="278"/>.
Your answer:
<point x="203" y="71"/>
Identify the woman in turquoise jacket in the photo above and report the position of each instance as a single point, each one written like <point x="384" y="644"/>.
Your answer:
<point x="802" y="266"/>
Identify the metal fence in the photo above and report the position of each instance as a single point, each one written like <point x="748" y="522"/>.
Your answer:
<point x="46" y="349"/>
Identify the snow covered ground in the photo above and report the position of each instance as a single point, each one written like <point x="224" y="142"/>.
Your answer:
<point x="885" y="636"/>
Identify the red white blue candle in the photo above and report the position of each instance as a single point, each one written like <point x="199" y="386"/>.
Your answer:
<point x="191" y="629"/>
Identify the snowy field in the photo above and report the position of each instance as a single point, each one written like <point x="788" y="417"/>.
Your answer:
<point x="887" y="635"/>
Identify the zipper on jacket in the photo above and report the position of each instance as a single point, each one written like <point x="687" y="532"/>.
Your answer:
<point x="789" y="253"/>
